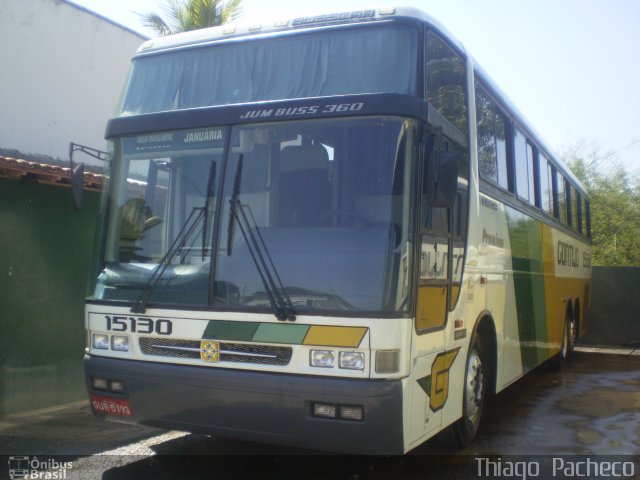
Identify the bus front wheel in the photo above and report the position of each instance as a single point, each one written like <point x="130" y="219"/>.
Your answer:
<point x="461" y="433"/>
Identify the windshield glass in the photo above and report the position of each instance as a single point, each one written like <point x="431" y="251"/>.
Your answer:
<point x="379" y="59"/>
<point x="329" y="201"/>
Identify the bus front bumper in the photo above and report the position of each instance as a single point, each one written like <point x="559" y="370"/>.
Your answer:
<point x="255" y="406"/>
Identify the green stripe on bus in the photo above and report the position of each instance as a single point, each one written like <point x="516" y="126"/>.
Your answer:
<point x="279" y="333"/>
<point x="225" y="330"/>
<point x="525" y="235"/>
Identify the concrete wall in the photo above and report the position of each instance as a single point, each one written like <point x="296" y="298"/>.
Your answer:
<point x="63" y="71"/>
<point x="45" y="257"/>
<point x="615" y="307"/>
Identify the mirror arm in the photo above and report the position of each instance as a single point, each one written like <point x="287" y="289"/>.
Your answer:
<point x="77" y="171"/>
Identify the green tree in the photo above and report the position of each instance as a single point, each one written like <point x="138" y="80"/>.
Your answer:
<point x="185" y="15"/>
<point x="615" y="207"/>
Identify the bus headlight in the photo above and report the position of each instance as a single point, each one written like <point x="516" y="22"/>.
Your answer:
<point x="120" y="343"/>
<point x="321" y="358"/>
<point x="352" y="360"/>
<point x="100" y="341"/>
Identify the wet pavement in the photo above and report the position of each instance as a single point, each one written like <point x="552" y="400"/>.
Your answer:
<point x="590" y="408"/>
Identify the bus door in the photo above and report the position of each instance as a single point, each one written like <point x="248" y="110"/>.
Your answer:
<point x="442" y="236"/>
<point x="434" y="290"/>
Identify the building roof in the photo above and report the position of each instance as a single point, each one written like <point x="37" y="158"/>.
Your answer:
<point x="17" y="169"/>
<point x="105" y="19"/>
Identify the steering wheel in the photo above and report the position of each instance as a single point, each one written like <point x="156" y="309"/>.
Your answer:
<point x="341" y="213"/>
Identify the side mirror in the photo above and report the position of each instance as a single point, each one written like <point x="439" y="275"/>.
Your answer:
<point x="77" y="185"/>
<point x="441" y="183"/>
<point x="77" y="170"/>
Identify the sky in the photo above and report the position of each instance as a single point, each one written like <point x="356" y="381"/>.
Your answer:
<point x="571" y="67"/>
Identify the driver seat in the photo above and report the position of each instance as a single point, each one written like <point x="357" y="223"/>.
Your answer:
<point x="304" y="186"/>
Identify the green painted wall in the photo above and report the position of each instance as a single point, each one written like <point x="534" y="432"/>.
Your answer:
<point x="45" y="258"/>
<point x="614" y="319"/>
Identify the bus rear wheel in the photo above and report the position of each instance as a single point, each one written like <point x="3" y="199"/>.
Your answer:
<point x="557" y="362"/>
<point x="463" y="431"/>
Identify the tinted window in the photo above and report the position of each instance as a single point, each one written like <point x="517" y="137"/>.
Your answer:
<point x="546" y="185"/>
<point x="524" y="168"/>
<point x="492" y="151"/>
<point x="445" y="81"/>
<point x="561" y="196"/>
<point x="324" y="63"/>
<point x="583" y="217"/>
<point x="574" y="208"/>
<point x="587" y="216"/>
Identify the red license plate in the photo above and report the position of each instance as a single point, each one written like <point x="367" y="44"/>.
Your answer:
<point x="110" y="406"/>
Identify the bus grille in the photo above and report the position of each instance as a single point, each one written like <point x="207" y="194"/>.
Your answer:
<point x="229" y="352"/>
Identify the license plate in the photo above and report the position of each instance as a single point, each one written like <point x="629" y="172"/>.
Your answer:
<point x="110" y="406"/>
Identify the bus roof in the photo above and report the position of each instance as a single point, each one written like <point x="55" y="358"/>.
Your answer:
<point x="237" y="30"/>
<point x="243" y="29"/>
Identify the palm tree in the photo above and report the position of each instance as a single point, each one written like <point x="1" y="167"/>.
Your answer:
<point x="185" y="15"/>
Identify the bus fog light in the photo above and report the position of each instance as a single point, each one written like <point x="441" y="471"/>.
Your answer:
<point x="120" y="343"/>
<point x="99" y="383"/>
<point x="116" y="386"/>
<point x="388" y="361"/>
<point x="324" y="410"/>
<point x="352" y="360"/>
<point x="351" y="413"/>
<point x="321" y="358"/>
<point x="100" y="341"/>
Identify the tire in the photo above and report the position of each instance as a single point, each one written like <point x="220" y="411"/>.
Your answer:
<point x="573" y="330"/>
<point x="462" y="432"/>
<point x="558" y="361"/>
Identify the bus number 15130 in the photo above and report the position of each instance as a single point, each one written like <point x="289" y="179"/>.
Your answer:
<point x="139" y="325"/>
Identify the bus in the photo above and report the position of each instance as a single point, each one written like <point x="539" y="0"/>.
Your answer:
<point x="331" y="232"/>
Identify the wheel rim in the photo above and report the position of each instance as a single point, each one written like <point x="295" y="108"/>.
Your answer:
<point x="474" y="388"/>
<point x="573" y="334"/>
<point x="567" y="338"/>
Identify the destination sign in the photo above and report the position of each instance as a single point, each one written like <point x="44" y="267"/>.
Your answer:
<point x="176" y="140"/>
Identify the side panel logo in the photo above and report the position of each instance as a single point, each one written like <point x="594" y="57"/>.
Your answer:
<point x="436" y="385"/>
<point x="209" y="351"/>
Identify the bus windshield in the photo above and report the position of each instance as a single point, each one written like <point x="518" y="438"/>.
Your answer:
<point x="329" y="199"/>
<point x="380" y="59"/>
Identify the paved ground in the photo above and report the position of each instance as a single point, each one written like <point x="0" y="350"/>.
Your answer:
<point x="591" y="408"/>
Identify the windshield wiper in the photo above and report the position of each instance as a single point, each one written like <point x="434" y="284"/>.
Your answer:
<point x="210" y="193"/>
<point x="278" y="299"/>
<point x="180" y="241"/>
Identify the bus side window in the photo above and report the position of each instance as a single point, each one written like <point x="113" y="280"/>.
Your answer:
<point x="580" y="216"/>
<point x="546" y="185"/>
<point x="574" y="208"/>
<point x="524" y="161"/>
<point x="561" y="198"/>
<point x="587" y="217"/>
<point x="445" y="79"/>
<point x="492" y="147"/>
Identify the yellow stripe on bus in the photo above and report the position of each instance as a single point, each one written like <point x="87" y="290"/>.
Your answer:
<point x="335" y="336"/>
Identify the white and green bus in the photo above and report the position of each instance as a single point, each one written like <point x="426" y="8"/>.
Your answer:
<point x="331" y="232"/>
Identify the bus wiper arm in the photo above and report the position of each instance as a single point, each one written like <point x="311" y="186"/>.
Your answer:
<point x="278" y="298"/>
<point x="210" y="185"/>
<point x="180" y="241"/>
